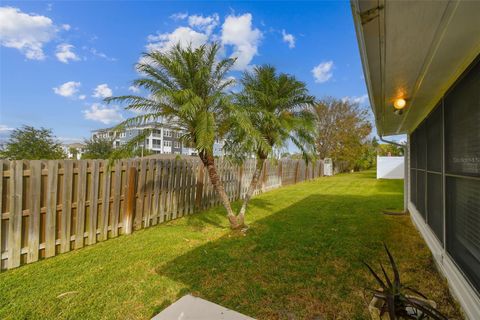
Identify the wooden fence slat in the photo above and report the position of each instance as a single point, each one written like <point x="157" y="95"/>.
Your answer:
<point x="1" y="209"/>
<point x="181" y="187"/>
<point x="191" y="186"/>
<point x="176" y="188"/>
<point x="141" y="196"/>
<point x="92" y="225"/>
<point x="117" y="189"/>
<point x="157" y="180"/>
<point x="163" y="187"/>
<point x="130" y="198"/>
<point x="51" y="215"/>
<point x="103" y="221"/>
<point x="15" y="220"/>
<point x="148" y="192"/>
<point x="171" y="173"/>
<point x="199" y="187"/>
<point x="34" y="218"/>
<point x="66" y="206"/>
<point x="82" y="189"/>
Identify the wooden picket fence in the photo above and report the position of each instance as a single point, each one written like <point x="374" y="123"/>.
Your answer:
<point x="51" y="207"/>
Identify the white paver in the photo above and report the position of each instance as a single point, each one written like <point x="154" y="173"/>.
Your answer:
<point x="192" y="308"/>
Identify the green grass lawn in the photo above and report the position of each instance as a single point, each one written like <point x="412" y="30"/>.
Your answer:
<point x="300" y="259"/>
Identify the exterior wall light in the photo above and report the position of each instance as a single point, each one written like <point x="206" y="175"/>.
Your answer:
<point x="399" y="105"/>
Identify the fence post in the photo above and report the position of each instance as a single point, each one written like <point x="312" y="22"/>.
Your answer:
<point x="15" y="220"/>
<point x="130" y="200"/>
<point x="199" y="191"/>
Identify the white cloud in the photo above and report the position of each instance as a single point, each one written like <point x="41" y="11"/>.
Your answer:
<point x="134" y="89"/>
<point x="179" y="16"/>
<point x="102" y="91"/>
<point x="102" y="113"/>
<point x="237" y="34"/>
<point x="361" y="100"/>
<point x="64" y="53"/>
<point x="288" y="38"/>
<point x="82" y="97"/>
<point x="66" y="27"/>
<point x="4" y="128"/>
<point x="323" y="72"/>
<point x="102" y="55"/>
<point x="68" y="89"/>
<point x="237" y="31"/>
<point x="206" y="24"/>
<point x="25" y="32"/>
<point x="184" y="36"/>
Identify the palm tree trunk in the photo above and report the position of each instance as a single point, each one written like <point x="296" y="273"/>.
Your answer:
<point x="209" y="163"/>
<point x="251" y="189"/>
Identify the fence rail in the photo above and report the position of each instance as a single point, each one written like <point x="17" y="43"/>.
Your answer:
<point x="51" y="207"/>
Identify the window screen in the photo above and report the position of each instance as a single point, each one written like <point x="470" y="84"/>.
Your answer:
<point x="435" y="204"/>
<point x="445" y="171"/>
<point x="420" y="205"/>
<point x="421" y="146"/>
<point x="435" y="140"/>
<point x="413" y="186"/>
<point x="462" y="125"/>
<point x="463" y="225"/>
<point x="413" y="150"/>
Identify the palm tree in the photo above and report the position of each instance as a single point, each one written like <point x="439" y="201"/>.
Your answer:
<point x="187" y="87"/>
<point x="278" y="106"/>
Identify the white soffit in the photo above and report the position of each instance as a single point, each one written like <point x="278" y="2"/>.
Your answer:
<point x="415" y="50"/>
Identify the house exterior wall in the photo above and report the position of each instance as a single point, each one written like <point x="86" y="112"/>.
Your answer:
<point x="444" y="186"/>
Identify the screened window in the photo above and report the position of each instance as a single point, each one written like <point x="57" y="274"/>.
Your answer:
<point x="435" y="140"/>
<point x="421" y="192"/>
<point x="463" y="225"/>
<point x="445" y="172"/>
<point x="413" y="150"/>
<point x="462" y="125"/>
<point x="435" y="204"/>
<point x="421" y="147"/>
<point x="413" y="186"/>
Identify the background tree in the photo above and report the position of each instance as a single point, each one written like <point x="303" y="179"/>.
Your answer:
<point x="368" y="157"/>
<point x="98" y="148"/>
<point x="342" y="129"/>
<point x="30" y="143"/>
<point x="278" y="106"/>
<point x="386" y="149"/>
<point x="74" y="152"/>
<point x="187" y="88"/>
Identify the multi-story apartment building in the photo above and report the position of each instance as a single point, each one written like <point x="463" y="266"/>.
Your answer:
<point x="163" y="139"/>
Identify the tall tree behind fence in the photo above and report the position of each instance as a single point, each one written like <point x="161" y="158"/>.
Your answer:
<point x="52" y="207"/>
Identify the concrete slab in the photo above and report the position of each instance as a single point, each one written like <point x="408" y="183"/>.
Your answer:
<point x="192" y="308"/>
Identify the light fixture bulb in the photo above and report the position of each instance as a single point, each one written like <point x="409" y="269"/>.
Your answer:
<point x="399" y="104"/>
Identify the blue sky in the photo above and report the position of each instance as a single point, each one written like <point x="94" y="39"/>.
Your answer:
<point x="59" y="59"/>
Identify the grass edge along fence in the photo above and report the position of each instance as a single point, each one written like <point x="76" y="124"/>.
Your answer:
<point x="48" y="207"/>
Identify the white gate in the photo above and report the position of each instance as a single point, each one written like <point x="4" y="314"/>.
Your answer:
<point x="328" y="166"/>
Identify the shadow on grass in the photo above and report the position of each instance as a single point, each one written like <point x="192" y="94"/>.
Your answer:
<point x="217" y="219"/>
<point x="302" y="262"/>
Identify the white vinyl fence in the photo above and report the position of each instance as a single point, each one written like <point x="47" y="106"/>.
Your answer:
<point x="390" y="167"/>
